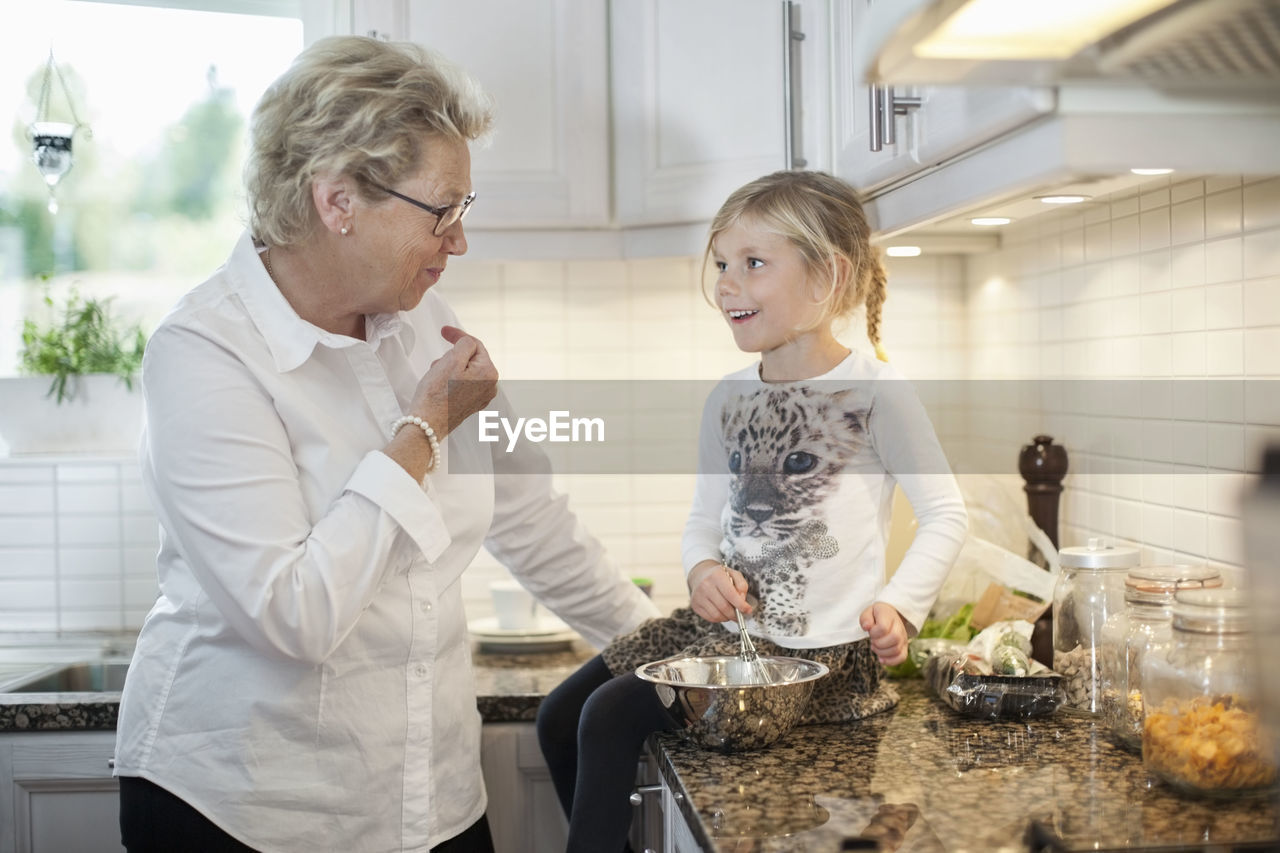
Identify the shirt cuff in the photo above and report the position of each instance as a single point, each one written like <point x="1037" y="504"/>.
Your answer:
<point x="380" y="479"/>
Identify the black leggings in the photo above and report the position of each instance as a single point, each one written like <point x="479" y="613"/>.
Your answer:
<point x="152" y="820"/>
<point x="592" y="729"/>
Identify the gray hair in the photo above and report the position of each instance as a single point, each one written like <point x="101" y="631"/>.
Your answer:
<point x="353" y="106"/>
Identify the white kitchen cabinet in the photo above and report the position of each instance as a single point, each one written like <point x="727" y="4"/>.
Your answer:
<point x="947" y="122"/>
<point x="545" y="64"/>
<point x="699" y="102"/>
<point x="57" y="794"/>
<point x="524" y="813"/>
<point x="614" y="118"/>
<point x="677" y="837"/>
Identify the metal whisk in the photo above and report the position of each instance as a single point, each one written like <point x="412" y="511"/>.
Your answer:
<point x="755" y="670"/>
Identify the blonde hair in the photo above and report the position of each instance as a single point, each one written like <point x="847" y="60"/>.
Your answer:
<point x="823" y="218"/>
<point x="353" y="106"/>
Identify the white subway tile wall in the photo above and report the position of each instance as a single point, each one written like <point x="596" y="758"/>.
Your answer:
<point x="1194" y="296"/>
<point x="77" y="545"/>
<point x="1179" y="280"/>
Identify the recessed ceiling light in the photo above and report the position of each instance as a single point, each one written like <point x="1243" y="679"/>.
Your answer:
<point x="991" y="220"/>
<point x="1151" y="171"/>
<point x="1062" y="199"/>
<point x="902" y="251"/>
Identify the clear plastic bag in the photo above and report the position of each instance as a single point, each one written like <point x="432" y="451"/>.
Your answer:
<point x="964" y="678"/>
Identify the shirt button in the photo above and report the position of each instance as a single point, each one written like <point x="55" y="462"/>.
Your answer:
<point x="426" y="605"/>
<point x="420" y="670"/>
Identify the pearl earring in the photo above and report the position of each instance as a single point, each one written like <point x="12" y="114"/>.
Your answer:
<point x="345" y="230"/>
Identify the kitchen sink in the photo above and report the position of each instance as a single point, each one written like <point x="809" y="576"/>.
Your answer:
<point x="89" y="677"/>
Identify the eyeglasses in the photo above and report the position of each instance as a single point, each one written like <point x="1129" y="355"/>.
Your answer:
<point x="445" y="216"/>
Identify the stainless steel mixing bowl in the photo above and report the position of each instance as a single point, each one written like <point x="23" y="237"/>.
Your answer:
<point x="715" y="704"/>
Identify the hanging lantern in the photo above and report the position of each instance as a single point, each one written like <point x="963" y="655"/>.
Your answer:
<point x="51" y="140"/>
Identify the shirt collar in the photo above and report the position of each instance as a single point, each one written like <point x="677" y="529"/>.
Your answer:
<point x="290" y="338"/>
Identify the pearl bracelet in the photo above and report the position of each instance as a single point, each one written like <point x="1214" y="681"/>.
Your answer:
<point x="430" y="433"/>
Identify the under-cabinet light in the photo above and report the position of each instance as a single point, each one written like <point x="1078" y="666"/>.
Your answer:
<point x="902" y="251"/>
<point x="1062" y="199"/>
<point x="991" y="220"/>
<point x="1151" y="171"/>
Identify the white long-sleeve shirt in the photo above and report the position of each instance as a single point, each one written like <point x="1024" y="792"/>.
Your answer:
<point x="304" y="678"/>
<point x="811" y="529"/>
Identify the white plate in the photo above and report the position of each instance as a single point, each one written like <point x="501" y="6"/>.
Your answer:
<point x="548" y="627"/>
<point x="527" y="645"/>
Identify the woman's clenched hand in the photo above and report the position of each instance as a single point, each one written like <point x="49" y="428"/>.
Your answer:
<point x="457" y="385"/>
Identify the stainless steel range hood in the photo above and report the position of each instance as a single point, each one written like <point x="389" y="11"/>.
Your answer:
<point x="1171" y="45"/>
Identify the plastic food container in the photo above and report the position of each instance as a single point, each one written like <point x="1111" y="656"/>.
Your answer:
<point x="1202" y="730"/>
<point x="1089" y="591"/>
<point x="1144" y="627"/>
<point x="991" y="697"/>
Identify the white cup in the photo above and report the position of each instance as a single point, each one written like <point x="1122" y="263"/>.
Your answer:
<point x="515" y="606"/>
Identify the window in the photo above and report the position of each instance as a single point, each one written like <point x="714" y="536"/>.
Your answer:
<point x="154" y="200"/>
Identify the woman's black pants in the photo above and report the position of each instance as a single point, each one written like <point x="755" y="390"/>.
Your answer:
<point x="152" y="820"/>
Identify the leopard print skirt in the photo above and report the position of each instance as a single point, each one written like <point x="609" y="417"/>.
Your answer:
<point x="854" y="688"/>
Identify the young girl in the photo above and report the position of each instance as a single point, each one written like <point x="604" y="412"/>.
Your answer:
<point x="798" y="457"/>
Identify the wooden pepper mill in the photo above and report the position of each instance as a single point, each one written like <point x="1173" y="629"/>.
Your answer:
<point x="1043" y="465"/>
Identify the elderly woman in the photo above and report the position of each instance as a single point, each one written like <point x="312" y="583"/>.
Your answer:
<point x="304" y="680"/>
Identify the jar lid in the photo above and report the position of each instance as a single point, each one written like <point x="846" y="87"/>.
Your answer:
<point x="1211" y="611"/>
<point x="1098" y="555"/>
<point x="1166" y="580"/>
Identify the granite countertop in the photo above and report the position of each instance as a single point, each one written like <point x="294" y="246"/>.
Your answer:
<point x="924" y="778"/>
<point x="509" y="687"/>
<point x="921" y="778"/>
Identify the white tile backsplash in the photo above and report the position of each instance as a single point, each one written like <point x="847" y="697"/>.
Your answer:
<point x="1222" y="260"/>
<point x="63" y="523"/>
<point x="1206" y="309"/>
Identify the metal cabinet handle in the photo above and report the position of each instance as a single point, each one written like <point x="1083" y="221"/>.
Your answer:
<point x="885" y="106"/>
<point x="875" y="130"/>
<point x="895" y="106"/>
<point x="637" y="796"/>
<point x="790" y="35"/>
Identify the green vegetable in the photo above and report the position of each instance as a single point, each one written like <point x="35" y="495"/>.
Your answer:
<point x="1009" y="660"/>
<point x="956" y="628"/>
<point x="1014" y="640"/>
<point x="88" y="340"/>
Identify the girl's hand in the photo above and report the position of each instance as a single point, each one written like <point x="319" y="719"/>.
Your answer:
<point x="718" y="592"/>
<point x="888" y="632"/>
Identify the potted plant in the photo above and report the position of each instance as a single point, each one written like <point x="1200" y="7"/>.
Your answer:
<point x="81" y="393"/>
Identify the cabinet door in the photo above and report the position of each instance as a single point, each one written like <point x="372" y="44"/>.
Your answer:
<point x="854" y="159"/>
<point x="698" y="103"/>
<point x="60" y="788"/>
<point x="545" y="64"/>
<point x="949" y="120"/>
<point x="677" y="836"/>
<point x="524" y="813"/>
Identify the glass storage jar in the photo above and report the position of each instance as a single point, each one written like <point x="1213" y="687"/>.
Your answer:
<point x="1261" y="508"/>
<point x="1201" y="731"/>
<point x="1144" y="627"/>
<point x="1089" y="591"/>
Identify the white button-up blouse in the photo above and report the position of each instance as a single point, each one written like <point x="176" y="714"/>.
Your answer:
<point x="304" y="678"/>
